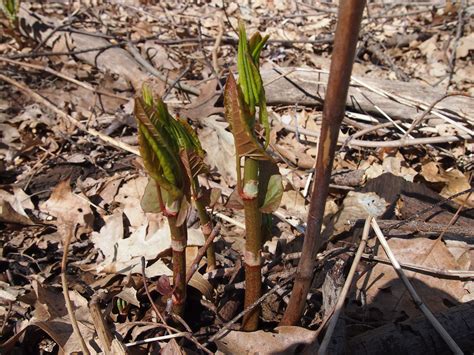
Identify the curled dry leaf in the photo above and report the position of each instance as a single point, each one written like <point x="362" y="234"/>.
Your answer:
<point x="129" y="295"/>
<point x="9" y="215"/>
<point x="358" y="205"/>
<point x="203" y="106"/>
<point x="455" y="181"/>
<point x="50" y="315"/>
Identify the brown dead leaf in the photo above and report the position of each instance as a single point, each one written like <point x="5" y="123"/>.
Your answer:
<point x="283" y="340"/>
<point x="465" y="45"/>
<point x="51" y="316"/>
<point x="455" y="181"/>
<point x="122" y="255"/>
<point x="218" y="143"/>
<point x="203" y="106"/>
<point x="129" y="196"/>
<point x="69" y="208"/>
<point x="129" y="295"/>
<point x="395" y="165"/>
<point x="9" y="215"/>
<point x="384" y="290"/>
<point x="172" y="348"/>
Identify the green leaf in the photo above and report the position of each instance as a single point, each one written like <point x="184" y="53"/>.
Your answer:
<point x="10" y="9"/>
<point x="274" y="194"/>
<point x="250" y="80"/>
<point x="149" y="201"/>
<point x="158" y="140"/>
<point x="239" y="119"/>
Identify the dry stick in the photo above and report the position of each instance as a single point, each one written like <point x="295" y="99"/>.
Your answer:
<point x="110" y="345"/>
<point x="418" y="301"/>
<point x="459" y="30"/>
<point x="65" y="77"/>
<point x="215" y="47"/>
<point x="428" y="209"/>
<point x="345" y="289"/>
<point x="206" y="60"/>
<point x="370" y="129"/>
<point x="420" y="226"/>
<point x="416" y="104"/>
<point x="160" y="338"/>
<point x="201" y="252"/>
<point x="67" y="299"/>
<point x="349" y="18"/>
<point x="103" y="332"/>
<point x="153" y="305"/>
<point x="450" y="274"/>
<point x="379" y="144"/>
<point x="40" y="99"/>
<point x="428" y="110"/>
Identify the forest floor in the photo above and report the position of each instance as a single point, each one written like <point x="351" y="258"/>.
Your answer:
<point x="69" y="162"/>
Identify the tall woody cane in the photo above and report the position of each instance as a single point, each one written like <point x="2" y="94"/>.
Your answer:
<point x="345" y="42"/>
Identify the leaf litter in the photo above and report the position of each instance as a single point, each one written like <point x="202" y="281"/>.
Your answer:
<point x="52" y="175"/>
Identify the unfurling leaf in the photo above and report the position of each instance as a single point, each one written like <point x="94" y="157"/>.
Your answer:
<point x="241" y="123"/>
<point x="273" y="195"/>
<point x="250" y="80"/>
<point x="159" y="149"/>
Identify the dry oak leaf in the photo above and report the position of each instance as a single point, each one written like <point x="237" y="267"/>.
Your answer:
<point x="68" y="208"/>
<point x="12" y="207"/>
<point x="122" y="255"/>
<point x="218" y="143"/>
<point x="50" y="315"/>
<point x="455" y="182"/>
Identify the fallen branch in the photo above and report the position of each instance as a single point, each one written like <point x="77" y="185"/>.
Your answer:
<point x="388" y="144"/>
<point x="201" y="252"/>
<point x="449" y="274"/>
